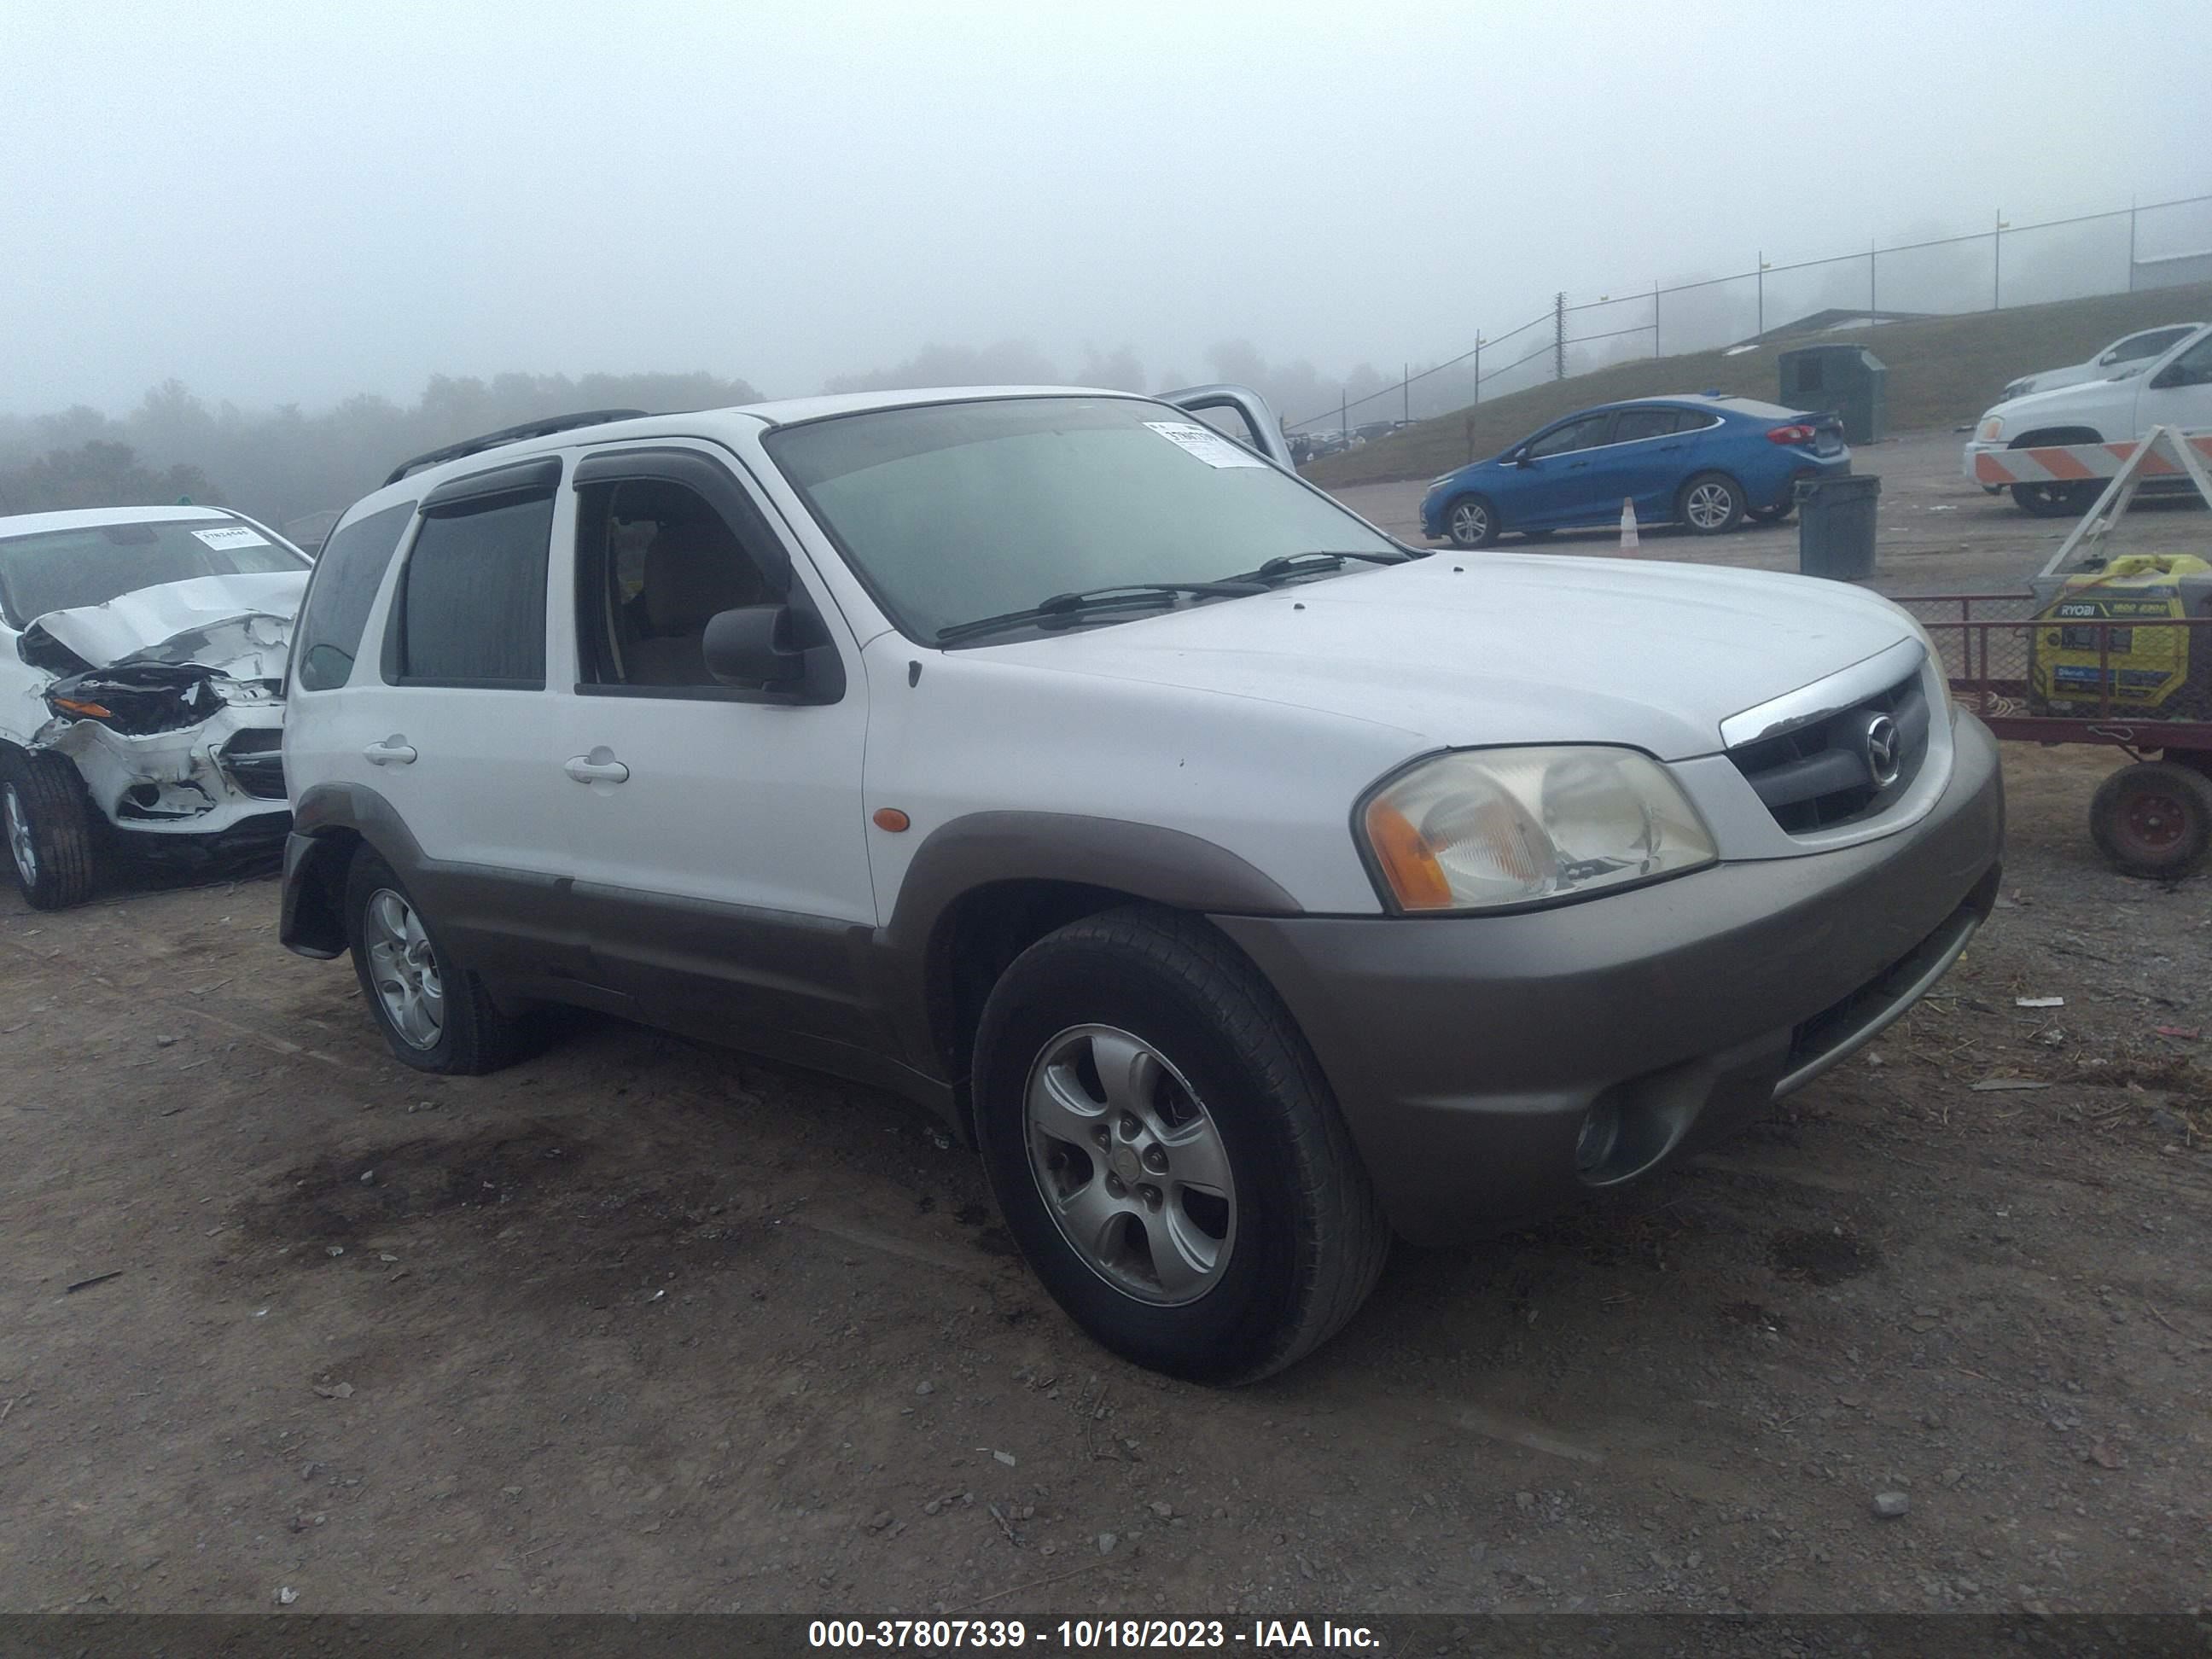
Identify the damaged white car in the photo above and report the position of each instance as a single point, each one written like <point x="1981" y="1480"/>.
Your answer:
<point x="142" y="675"/>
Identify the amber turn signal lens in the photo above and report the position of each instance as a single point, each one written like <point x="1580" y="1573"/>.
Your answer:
<point x="1408" y="864"/>
<point x="890" y="818"/>
<point x="93" y="709"/>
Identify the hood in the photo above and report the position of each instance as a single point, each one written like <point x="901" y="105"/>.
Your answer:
<point x="2068" y="397"/>
<point x="240" y="624"/>
<point x="1466" y="650"/>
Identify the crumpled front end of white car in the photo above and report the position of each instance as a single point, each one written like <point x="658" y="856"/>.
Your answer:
<point x="178" y="744"/>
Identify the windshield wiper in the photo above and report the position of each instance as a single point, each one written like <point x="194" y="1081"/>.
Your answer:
<point x="1125" y="596"/>
<point x="1306" y="564"/>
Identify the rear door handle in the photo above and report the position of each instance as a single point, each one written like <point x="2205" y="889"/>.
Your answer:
<point x="394" y="751"/>
<point x="600" y="766"/>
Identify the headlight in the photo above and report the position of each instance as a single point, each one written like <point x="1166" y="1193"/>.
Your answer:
<point x="1992" y="429"/>
<point x="1483" y="828"/>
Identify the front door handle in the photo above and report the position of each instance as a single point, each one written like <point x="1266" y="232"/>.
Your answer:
<point x="394" y="751"/>
<point x="600" y="766"/>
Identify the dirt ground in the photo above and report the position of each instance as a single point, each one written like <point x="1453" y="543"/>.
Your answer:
<point x="643" y="1325"/>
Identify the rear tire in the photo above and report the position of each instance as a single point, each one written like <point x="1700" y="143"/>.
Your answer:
<point x="434" y="1016"/>
<point x="48" y="821"/>
<point x="2055" y="501"/>
<point x="1470" y="521"/>
<point x="1166" y="1152"/>
<point x="2154" y="819"/>
<point x="1710" y="504"/>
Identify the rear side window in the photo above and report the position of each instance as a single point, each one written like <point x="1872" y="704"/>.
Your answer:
<point x="339" y="595"/>
<point x="1634" y="424"/>
<point x="472" y="606"/>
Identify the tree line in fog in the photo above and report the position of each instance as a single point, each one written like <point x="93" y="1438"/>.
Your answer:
<point x="287" y="465"/>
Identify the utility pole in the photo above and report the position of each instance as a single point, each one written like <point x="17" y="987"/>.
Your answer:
<point x="1655" y="316"/>
<point x="2131" y="244"/>
<point x="1344" y="412"/>
<point x="1478" y="369"/>
<point x="1873" y="277"/>
<point x="1559" y="336"/>
<point x="1406" y="386"/>
<point x="1997" y="263"/>
<point x="1762" y="295"/>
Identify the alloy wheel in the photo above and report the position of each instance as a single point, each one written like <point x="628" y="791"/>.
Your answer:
<point x="1710" y="506"/>
<point x="1470" y="523"/>
<point x="22" y="845"/>
<point x="404" y="970"/>
<point x="1130" y="1165"/>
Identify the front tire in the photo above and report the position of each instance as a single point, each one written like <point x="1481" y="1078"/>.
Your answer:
<point x="1711" y="504"/>
<point x="1166" y="1152"/>
<point x="435" y="1015"/>
<point x="48" y="821"/>
<point x="2055" y="501"/>
<point x="1471" y="521"/>
<point x="2154" y="819"/>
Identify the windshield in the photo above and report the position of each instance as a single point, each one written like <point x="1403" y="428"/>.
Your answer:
<point x="62" y="569"/>
<point x="953" y="512"/>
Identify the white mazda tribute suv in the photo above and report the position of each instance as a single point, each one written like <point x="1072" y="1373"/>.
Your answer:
<point x="1247" y="886"/>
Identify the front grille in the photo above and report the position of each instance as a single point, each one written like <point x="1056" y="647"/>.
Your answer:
<point x="1819" y="775"/>
<point x="254" y="762"/>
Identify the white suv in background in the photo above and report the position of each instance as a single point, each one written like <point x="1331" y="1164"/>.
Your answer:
<point x="2171" y="389"/>
<point x="2125" y="352"/>
<point x="1246" y="884"/>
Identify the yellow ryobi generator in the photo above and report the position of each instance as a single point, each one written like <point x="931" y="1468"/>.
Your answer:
<point x="2086" y="641"/>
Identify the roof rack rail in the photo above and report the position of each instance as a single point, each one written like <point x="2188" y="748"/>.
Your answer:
<point x="508" y="435"/>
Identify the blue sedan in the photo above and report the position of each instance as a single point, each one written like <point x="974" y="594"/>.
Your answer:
<point x="1702" y="461"/>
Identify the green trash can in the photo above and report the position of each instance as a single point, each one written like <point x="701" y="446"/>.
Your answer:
<point x="1847" y="378"/>
<point x="1835" y="526"/>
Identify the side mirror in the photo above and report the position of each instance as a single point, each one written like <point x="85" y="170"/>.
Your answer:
<point x="1521" y="458"/>
<point x="754" y="645"/>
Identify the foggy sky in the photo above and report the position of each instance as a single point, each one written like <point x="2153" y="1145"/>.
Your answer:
<point x="279" y="203"/>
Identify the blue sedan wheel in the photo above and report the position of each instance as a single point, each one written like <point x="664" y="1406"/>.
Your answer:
<point x="1471" y="521"/>
<point x="1712" y="503"/>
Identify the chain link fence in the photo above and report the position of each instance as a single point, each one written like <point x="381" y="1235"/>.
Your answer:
<point x="2161" y="244"/>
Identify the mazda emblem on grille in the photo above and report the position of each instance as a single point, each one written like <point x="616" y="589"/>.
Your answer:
<point x="1883" y="745"/>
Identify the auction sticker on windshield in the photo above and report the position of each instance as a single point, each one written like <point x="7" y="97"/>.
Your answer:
<point x="232" y="535"/>
<point x="1205" y="443"/>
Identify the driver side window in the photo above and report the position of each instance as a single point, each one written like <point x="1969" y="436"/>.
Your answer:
<point x="654" y="561"/>
<point x="2194" y="365"/>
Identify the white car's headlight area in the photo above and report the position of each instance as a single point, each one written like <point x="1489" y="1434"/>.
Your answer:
<point x="1992" y="429"/>
<point x="1481" y="829"/>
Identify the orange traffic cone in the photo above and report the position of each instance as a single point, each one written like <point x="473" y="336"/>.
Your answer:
<point x="1628" y="542"/>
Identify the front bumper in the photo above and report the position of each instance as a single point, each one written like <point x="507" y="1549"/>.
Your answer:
<point x="1467" y="1053"/>
<point x="210" y="785"/>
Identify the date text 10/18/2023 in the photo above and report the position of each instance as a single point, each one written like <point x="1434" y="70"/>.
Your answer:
<point x="1257" y="1635"/>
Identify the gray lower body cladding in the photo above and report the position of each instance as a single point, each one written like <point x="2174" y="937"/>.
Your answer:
<point x="1468" y="1053"/>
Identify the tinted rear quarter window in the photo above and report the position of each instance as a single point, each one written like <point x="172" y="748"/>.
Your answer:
<point x="1634" y="424"/>
<point x="471" y="609"/>
<point x="341" y="592"/>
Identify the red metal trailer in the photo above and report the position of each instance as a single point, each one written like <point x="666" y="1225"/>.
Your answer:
<point x="2152" y="817"/>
